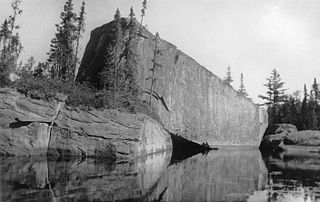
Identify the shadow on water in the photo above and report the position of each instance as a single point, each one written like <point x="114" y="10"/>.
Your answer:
<point x="183" y="149"/>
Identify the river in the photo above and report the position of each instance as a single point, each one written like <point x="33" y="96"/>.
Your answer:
<point x="227" y="174"/>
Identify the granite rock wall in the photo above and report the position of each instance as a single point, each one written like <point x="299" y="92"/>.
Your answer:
<point x="201" y="107"/>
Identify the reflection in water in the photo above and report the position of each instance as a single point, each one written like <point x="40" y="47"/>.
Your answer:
<point x="291" y="178"/>
<point x="223" y="175"/>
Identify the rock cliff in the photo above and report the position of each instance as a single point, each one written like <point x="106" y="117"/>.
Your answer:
<point x="202" y="108"/>
<point x="34" y="127"/>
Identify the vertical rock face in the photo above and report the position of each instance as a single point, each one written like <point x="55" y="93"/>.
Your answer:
<point x="33" y="127"/>
<point x="201" y="106"/>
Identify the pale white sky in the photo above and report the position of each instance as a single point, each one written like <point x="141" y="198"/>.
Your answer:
<point x="252" y="36"/>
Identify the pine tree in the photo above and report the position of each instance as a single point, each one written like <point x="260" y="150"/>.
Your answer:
<point x="143" y="10"/>
<point x="228" y="79"/>
<point x="9" y="43"/>
<point x="305" y="91"/>
<point x="12" y="20"/>
<point x="312" y="115"/>
<point x="275" y="95"/>
<point x="242" y="89"/>
<point x="118" y="75"/>
<point x="156" y="52"/>
<point x="80" y="30"/>
<point x="117" y="52"/>
<point x="315" y="90"/>
<point x="62" y="53"/>
<point x="130" y="74"/>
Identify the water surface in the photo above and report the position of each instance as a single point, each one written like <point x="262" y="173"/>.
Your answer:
<point x="222" y="175"/>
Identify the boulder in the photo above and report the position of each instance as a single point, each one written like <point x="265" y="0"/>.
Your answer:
<point x="280" y="128"/>
<point x="274" y="137"/>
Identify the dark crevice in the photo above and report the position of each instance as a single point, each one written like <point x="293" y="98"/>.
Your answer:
<point x="183" y="148"/>
<point x="18" y="123"/>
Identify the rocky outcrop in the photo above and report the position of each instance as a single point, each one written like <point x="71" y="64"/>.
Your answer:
<point x="274" y="135"/>
<point x="198" y="105"/>
<point x="278" y="137"/>
<point x="34" y="127"/>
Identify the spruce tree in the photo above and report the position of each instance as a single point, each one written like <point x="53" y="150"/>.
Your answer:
<point x="228" y="79"/>
<point x="61" y="55"/>
<point x="242" y="89"/>
<point x="315" y="90"/>
<point x="275" y="95"/>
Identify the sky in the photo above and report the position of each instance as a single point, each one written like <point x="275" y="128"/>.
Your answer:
<point x="252" y="36"/>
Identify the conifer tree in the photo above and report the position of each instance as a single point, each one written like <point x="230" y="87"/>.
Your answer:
<point x="228" y="79"/>
<point x="10" y="45"/>
<point x="315" y="90"/>
<point x="80" y="30"/>
<point x="143" y="10"/>
<point x="117" y="51"/>
<point x="275" y="95"/>
<point x="242" y="89"/>
<point x="130" y="74"/>
<point x="155" y="65"/>
<point x="61" y="55"/>
<point x="118" y="75"/>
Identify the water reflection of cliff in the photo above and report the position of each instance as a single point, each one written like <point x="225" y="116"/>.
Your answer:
<point x="223" y="175"/>
<point x="219" y="175"/>
<point x="45" y="179"/>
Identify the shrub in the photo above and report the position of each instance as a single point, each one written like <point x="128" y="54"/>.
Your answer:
<point x="82" y="96"/>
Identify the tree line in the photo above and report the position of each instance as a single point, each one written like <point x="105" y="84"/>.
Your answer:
<point x="288" y="108"/>
<point x="63" y="54"/>
<point x="117" y="80"/>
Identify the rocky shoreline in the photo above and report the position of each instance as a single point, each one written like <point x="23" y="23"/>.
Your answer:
<point x="32" y="127"/>
<point x="286" y="137"/>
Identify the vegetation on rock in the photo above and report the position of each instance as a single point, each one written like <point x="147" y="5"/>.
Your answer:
<point x="242" y="89"/>
<point x="228" y="79"/>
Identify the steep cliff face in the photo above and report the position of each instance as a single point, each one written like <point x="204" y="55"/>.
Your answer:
<point x="201" y="106"/>
<point x="33" y="127"/>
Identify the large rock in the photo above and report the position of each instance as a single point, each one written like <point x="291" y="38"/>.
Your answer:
<point x="274" y="136"/>
<point x="201" y="107"/>
<point x="283" y="128"/>
<point x="303" y="138"/>
<point x="34" y="127"/>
